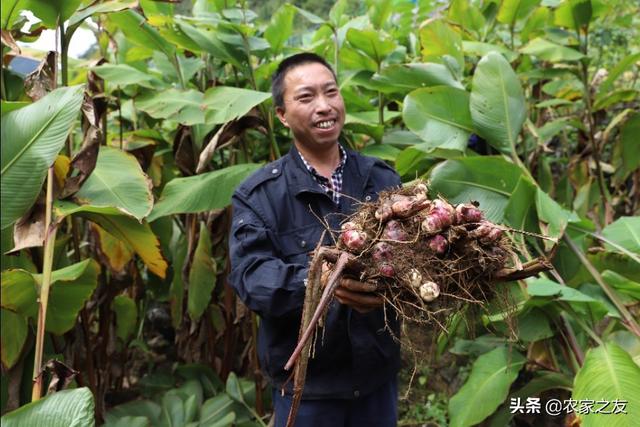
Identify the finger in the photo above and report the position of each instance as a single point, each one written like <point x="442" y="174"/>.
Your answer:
<point x="358" y="286"/>
<point x="357" y="298"/>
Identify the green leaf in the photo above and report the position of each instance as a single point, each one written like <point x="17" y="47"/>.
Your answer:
<point x="487" y="387"/>
<point x="438" y="39"/>
<point x="553" y="214"/>
<point x="542" y="381"/>
<point x="489" y="180"/>
<point x="209" y="42"/>
<point x="314" y="19"/>
<point x="184" y="195"/>
<point x="481" y="49"/>
<point x="123" y="75"/>
<point x="234" y="388"/>
<point x="439" y="115"/>
<point x="622" y="284"/>
<point x="545" y="291"/>
<point x="617" y="71"/>
<point x="19" y="292"/>
<point x="280" y="28"/>
<point x="52" y="12"/>
<point x="629" y="153"/>
<point x="381" y="151"/>
<point x="514" y="10"/>
<point x="65" y="408"/>
<point x="371" y="43"/>
<point x="497" y="103"/>
<point x="14" y="334"/>
<point x="138" y="236"/>
<point x="139" y="32"/>
<point x="126" y="313"/>
<point x="533" y="326"/>
<point x="574" y="14"/>
<point x="467" y="15"/>
<point x="95" y="9"/>
<point x="609" y="373"/>
<point x="549" y="51"/>
<point x="624" y="232"/>
<point x="37" y="133"/>
<point x="519" y="212"/>
<point x="406" y="77"/>
<point x="226" y="103"/>
<point x="606" y="100"/>
<point x="71" y="287"/>
<point x="118" y="181"/>
<point x="202" y="276"/>
<point x="184" y="106"/>
<point x="10" y="11"/>
<point x="136" y="408"/>
<point x="9" y="106"/>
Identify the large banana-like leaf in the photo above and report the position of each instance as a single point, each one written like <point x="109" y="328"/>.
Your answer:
<point x="14" y="334"/>
<point x="497" y="102"/>
<point x="487" y="387"/>
<point x="31" y="139"/>
<point x="624" y="233"/>
<point x="202" y="276"/>
<point x="52" y="11"/>
<point x="185" y="195"/>
<point x="437" y="39"/>
<point x="138" y="236"/>
<point x="139" y="32"/>
<point x="440" y="116"/>
<point x="66" y="408"/>
<point x="489" y="180"/>
<point x="280" y="28"/>
<point x="71" y="287"/>
<point x="514" y="10"/>
<point x="118" y="181"/>
<point x="609" y="374"/>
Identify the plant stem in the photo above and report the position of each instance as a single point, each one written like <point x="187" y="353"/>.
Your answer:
<point x="267" y="115"/>
<point x="628" y="321"/>
<point x="43" y="300"/>
<point x="64" y="56"/>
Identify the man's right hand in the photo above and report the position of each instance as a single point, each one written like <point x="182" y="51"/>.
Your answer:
<point x="361" y="296"/>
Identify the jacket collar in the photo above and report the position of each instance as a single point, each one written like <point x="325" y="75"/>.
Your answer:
<point x="355" y="175"/>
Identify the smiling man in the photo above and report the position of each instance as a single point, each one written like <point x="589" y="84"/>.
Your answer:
<point x="351" y="379"/>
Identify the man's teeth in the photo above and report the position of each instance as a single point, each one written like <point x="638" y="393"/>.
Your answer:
<point x="326" y="124"/>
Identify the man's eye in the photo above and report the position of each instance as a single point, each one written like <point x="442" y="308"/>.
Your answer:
<point x="305" y="98"/>
<point x="332" y="91"/>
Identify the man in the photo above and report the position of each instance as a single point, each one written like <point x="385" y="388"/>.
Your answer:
<point x="351" y="379"/>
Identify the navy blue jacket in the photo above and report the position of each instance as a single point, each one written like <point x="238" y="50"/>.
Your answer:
<point x="275" y="225"/>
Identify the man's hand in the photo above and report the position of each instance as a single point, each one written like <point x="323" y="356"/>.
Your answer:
<point x="356" y="294"/>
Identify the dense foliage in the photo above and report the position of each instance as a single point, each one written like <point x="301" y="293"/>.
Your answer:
<point x="117" y="172"/>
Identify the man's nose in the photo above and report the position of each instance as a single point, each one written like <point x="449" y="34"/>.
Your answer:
<point x="322" y="104"/>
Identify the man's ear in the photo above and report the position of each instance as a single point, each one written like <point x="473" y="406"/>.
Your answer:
<point x="280" y="114"/>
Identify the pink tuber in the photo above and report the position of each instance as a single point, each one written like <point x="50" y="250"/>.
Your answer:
<point x="393" y="231"/>
<point x="354" y="240"/>
<point x="387" y="270"/>
<point x="438" y="244"/>
<point x="382" y="252"/>
<point x="467" y="213"/>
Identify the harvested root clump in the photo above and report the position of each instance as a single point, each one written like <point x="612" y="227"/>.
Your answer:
<point x="427" y="256"/>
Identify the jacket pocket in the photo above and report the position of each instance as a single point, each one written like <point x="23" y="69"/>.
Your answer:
<point x="298" y="242"/>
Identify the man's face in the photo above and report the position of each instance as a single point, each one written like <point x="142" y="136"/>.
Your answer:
<point x="313" y="106"/>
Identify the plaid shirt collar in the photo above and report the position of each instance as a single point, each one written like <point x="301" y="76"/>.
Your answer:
<point x="333" y="186"/>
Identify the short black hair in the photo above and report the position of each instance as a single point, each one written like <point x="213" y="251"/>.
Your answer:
<point x="277" y="80"/>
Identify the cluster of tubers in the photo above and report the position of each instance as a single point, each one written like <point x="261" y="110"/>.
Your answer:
<point x="421" y="246"/>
